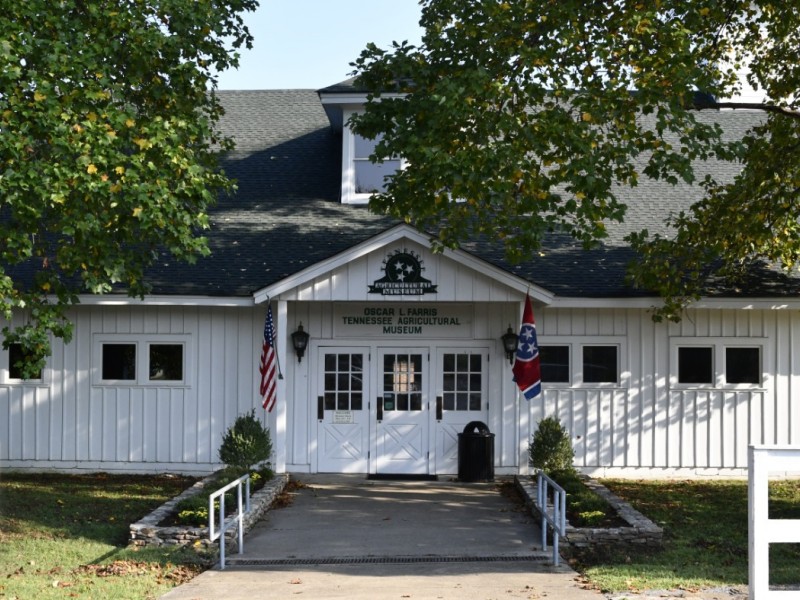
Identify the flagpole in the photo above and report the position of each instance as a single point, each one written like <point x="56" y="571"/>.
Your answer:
<point x="277" y="354"/>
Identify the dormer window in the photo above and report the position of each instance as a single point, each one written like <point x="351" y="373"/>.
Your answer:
<point x="360" y="177"/>
<point x="370" y="177"/>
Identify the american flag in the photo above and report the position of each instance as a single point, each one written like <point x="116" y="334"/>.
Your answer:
<point x="526" y="369"/>
<point x="268" y="386"/>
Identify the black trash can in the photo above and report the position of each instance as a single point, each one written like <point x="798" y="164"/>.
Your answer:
<point x="476" y="453"/>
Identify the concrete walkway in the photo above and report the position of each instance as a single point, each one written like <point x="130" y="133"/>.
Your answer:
<point x="347" y="537"/>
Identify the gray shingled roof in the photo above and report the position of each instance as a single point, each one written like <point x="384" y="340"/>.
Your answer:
<point x="287" y="215"/>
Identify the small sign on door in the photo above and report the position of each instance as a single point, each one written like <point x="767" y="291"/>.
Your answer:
<point x="343" y="417"/>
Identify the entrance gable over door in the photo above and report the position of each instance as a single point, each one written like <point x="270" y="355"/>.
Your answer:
<point x="360" y="275"/>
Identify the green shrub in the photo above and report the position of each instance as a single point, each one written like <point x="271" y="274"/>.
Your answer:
<point x="551" y="448"/>
<point x="591" y="518"/>
<point x="246" y="443"/>
<point x="193" y="511"/>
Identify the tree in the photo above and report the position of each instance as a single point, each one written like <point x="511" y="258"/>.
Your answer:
<point x="518" y="118"/>
<point x="107" y="147"/>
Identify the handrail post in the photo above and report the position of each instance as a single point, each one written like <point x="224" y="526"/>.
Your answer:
<point x="558" y="519"/>
<point x="225" y="524"/>
<point x="240" y="518"/>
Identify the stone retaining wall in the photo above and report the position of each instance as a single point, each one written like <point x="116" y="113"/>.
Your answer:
<point x="640" y="532"/>
<point x="148" y="532"/>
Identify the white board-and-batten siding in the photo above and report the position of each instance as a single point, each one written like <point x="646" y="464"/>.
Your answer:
<point x="644" y="424"/>
<point x="649" y="423"/>
<point x="71" y="420"/>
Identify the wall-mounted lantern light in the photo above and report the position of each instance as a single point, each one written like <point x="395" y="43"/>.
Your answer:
<point x="510" y="344"/>
<point x="300" y="342"/>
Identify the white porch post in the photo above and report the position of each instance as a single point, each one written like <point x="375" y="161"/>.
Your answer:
<point x="281" y="407"/>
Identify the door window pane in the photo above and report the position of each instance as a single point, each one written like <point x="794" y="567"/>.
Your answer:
<point x="695" y="364"/>
<point x="119" y="362"/>
<point x="600" y="364"/>
<point x="555" y="364"/>
<point x="343" y="381"/>
<point x="166" y="362"/>
<point x="462" y="381"/>
<point x="743" y="365"/>
<point x="402" y="382"/>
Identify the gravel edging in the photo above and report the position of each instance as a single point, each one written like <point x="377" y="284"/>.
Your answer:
<point x="147" y="532"/>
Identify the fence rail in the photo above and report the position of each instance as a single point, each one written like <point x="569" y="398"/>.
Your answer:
<point x="551" y="501"/>
<point x="226" y="523"/>
<point x="761" y="529"/>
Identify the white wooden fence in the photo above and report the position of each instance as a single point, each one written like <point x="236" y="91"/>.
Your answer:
<point x="762" y="530"/>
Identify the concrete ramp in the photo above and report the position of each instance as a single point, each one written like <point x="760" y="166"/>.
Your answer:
<point x="343" y="519"/>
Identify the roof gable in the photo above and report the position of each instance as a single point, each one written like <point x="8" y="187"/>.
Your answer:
<point x="455" y="275"/>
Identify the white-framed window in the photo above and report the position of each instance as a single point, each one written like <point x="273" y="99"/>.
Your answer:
<point x="716" y="362"/>
<point x="158" y="360"/>
<point x="360" y="177"/>
<point x="12" y="371"/>
<point x="582" y="361"/>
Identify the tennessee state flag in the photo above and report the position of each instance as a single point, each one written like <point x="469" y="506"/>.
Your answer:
<point x="527" y="369"/>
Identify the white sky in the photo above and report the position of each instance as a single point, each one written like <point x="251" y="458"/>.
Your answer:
<point x="311" y="43"/>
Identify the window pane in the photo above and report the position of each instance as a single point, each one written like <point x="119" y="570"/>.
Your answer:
<point x="363" y="147"/>
<point x="555" y="363"/>
<point x="15" y="357"/>
<point x="370" y="176"/>
<point x="742" y="365"/>
<point x="166" y="362"/>
<point x="449" y="382"/>
<point x="474" y="401"/>
<point x="463" y="374"/>
<point x="343" y="382"/>
<point x="450" y="362"/>
<point x="695" y="364"/>
<point x="119" y="361"/>
<point x="600" y="364"/>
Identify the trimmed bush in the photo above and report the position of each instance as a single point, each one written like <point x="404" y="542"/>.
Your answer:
<point x="246" y="443"/>
<point x="551" y="448"/>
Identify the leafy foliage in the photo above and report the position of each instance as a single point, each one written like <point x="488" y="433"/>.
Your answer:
<point x="518" y="118"/>
<point x="245" y="443"/>
<point x="551" y="448"/>
<point x="107" y="147"/>
<point x="193" y="511"/>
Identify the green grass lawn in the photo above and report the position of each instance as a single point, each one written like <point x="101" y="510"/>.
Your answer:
<point x="705" y="537"/>
<point x="66" y="536"/>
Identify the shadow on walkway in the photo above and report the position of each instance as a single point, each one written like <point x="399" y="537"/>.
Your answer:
<point x="344" y="536"/>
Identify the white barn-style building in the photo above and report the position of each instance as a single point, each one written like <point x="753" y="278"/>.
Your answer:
<point x="405" y="344"/>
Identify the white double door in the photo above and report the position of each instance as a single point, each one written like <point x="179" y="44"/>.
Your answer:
<point x="396" y="410"/>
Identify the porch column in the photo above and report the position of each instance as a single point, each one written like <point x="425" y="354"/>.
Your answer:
<point x="279" y="435"/>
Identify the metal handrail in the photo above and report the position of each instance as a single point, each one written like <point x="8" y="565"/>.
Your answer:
<point x="553" y="510"/>
<point x="237" y="518"/>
